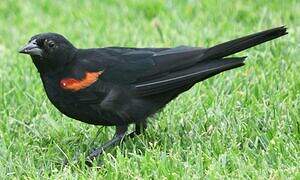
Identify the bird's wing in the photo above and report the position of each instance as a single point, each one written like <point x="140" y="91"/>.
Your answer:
<point x="188" y="76"/>
<point x="153" y="71"/>
<point x="131" y="66"/>
<point x="138" y="65"/>
<point x="184" y="66"/>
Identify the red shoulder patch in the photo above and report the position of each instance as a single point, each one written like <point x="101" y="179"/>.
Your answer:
<point x="73" y="84"/>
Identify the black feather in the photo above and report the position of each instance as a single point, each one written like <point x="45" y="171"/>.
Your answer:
<point x="192" y="75"/>
<point x="240" y="44"/>
<point x="181" y="66"/>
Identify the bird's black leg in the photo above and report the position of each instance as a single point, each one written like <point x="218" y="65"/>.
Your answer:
<point x="119" y="135"/>
<point x="139" y="128"/>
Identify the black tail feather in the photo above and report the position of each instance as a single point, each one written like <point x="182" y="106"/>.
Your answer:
<point x="196" y="65"/>
<point x="240" y="44"/>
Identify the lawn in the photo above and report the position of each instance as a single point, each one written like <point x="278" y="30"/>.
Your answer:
<point x="244" y="123"/>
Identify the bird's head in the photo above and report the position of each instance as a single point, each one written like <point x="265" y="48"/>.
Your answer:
<point x="49" y="51"/>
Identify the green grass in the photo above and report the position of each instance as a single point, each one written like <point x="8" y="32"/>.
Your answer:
<point x="244" y="123"/>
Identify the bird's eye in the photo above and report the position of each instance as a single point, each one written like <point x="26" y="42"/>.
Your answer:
<point x="50" y="43"/>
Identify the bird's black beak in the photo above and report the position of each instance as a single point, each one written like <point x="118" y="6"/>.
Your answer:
<point x="31" y="48"/>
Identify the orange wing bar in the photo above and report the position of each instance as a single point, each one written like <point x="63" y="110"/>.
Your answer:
<point x="73" y="84"/>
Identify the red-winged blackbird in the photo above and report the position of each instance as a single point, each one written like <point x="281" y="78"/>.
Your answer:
<point x="118" y="86"/>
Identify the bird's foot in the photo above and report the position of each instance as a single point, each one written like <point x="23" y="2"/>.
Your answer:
<point x="118" y="138"/>
<point x="115" y="141"/>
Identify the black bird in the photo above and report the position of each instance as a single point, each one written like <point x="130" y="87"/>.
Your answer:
<point x="119" y="86"/>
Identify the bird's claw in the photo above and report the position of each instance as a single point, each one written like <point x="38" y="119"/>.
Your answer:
<point x="93" y="155"/>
